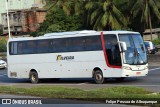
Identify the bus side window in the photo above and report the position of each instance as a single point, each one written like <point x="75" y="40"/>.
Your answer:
<point x="112" y="50"/>
<point x="29" y="47"/>
<point x="20" y="47"/>
<point x="60" y="45"/>
<point x="43" y="46"/>
<point x="13" y="48"/>
<point x="76" y="44"/>
<point x="53" y="46"/>
<point x="93" y="43"/>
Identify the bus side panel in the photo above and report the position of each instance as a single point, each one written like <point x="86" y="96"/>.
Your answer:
<point x="61" y="65"/>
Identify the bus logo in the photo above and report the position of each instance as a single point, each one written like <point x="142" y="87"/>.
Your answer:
<point x="60" y="57"/>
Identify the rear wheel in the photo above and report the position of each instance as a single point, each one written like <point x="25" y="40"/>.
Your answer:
<point x="98" y="77"/>
<point x="34" y="77"/>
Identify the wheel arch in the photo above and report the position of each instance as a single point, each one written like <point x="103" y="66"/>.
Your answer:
<point x="33" y="70"/>
<point x="95" y="69"/>
<point x="33" y="76"/>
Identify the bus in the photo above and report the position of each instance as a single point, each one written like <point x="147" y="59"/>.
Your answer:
<point x="78" y="54"/>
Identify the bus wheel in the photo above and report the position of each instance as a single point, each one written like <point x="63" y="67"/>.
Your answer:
<point x="98" y="77"/>
<point x="120" y="79"/>
<point x="34" y="77"/>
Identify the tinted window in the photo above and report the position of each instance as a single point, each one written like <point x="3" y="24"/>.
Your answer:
<point x="146" y="44"/>
<point x="60" y="45"/>
<point x="13" y="48"/>
<point x="76" y="44"/>
<point x="93" y="43"/>
<point x="20" y="47"/>
<point x="43" y="46"/>
<point x="112" y="50"/>
<point x="29" y="47"/>
<point x="73" y="44"/>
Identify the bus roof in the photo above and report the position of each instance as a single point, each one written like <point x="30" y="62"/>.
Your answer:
<point x="71" y="34"/>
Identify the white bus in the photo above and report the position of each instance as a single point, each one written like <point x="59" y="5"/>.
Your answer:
<point x="78" y="54"/>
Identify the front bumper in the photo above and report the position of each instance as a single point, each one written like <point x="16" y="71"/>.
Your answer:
<point x="135" y="71"/>
<point x="3" y="65"/>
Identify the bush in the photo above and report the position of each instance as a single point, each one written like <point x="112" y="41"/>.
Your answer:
<point x="156" y="41"/>
<point x="3" y="44"/>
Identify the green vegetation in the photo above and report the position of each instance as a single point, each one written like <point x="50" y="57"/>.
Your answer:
<point x="62" y="92"/>
<point x="134" y="15"/>
<point x="105" y="15"/>
<point x="70" y="15"/>
<point x="156" y="41"/>
<point x="70" y="7"/>
<point x="1" y="31"/>
<point x="147" y="11"/>
<point x="96" y="95"/>
<point x="58" y="21"/>
<point x="3" y="44"/>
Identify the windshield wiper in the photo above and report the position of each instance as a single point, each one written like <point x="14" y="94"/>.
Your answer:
<point x="142" y="47"/>
<point x="137" y="55"/>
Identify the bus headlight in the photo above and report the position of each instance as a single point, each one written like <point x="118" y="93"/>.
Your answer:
<point x="145" y="67"/>
<point x="127" y="68"/>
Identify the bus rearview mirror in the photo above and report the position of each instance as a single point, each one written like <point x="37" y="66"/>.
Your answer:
<point x="123" y="46"/>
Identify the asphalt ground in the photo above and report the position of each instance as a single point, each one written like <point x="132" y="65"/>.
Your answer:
<point x="154" y="59"/>
<point x="150" y="82"/>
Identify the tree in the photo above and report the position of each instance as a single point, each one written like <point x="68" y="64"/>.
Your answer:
<point x="146" y="9"/>
<point x="70" y="7"/>
<point x="58" y="21"/>
<point x="1" y="31"/>
<point x="73" y="7"/>
<point x="104" y="15"/>
<point x="3" y="44"/>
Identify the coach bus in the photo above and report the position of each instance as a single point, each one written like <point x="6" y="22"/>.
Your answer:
<point x="79" y="54"/>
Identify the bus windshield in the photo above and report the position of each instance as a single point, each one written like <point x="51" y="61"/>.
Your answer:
<point x="136" y="52"/>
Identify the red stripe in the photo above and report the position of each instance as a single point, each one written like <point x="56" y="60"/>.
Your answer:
<point x="105" y="54"/>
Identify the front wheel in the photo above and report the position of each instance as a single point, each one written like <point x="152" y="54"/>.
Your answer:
<point x="34" y="77"/>
<point x="98" y="77"/>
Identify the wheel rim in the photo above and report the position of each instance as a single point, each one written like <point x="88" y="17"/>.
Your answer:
<point x="33" y="77"/>
<point x="99" y="77"/>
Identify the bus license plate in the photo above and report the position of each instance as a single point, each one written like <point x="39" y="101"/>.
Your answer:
<point x="138" y="73"/>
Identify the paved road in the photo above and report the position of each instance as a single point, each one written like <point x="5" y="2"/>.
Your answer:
<point x="150" y="82"/>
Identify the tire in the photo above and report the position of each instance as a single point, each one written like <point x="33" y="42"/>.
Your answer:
<point x="34" y="77"/>
<point x="120" y="79"/>
<point x="153" y="52"/>
<point x="98" y="77"/>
